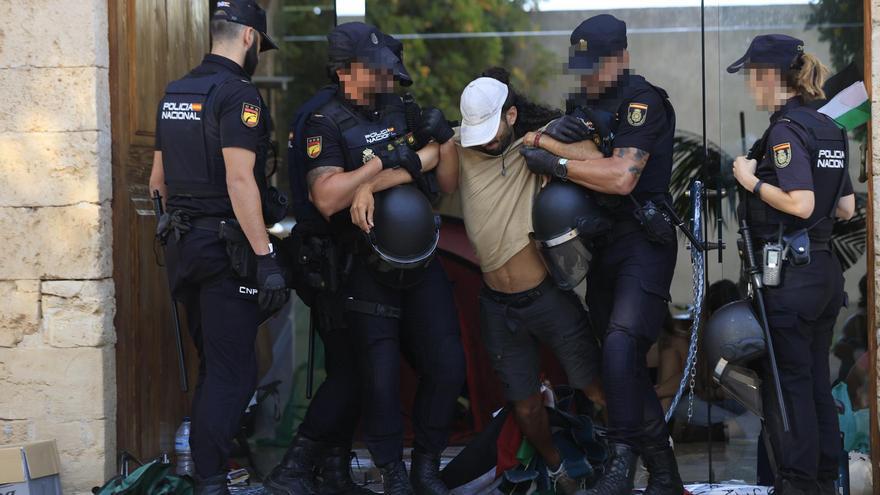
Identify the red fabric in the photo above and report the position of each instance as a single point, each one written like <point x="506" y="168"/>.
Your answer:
<point x="508" y="444"/>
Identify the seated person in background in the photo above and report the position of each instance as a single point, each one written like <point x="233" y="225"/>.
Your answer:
<point x="854" y="341"/>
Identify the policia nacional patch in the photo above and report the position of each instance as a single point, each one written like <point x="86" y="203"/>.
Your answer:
<point x="250" y="115"/>
<point x="637" y="114"/>
<point x="313" y="146"/>
<point x="782" y="155"/>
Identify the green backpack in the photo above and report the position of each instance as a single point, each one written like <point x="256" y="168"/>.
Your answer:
<point x="153" y="478"/>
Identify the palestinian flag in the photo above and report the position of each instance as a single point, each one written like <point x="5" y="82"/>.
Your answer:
<point x="850" y="108"/>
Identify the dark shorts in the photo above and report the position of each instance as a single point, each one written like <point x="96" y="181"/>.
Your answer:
<point x="513" y="325"/>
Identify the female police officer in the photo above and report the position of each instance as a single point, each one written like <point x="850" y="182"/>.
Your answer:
<point x="797" y="184"/>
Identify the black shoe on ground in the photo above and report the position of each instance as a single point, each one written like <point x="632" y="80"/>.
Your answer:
<point x="424" y="474"/>
<point x="663" y="477"/>
<point x="335" y="475"/>
<point x="620" y="472"/>
<point x="296" y="473"/>
<point x="394" y="479"/>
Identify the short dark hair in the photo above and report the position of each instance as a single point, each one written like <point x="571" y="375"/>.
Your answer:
<point x="222" y="30"/>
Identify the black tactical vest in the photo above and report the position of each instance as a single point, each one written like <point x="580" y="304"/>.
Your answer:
<point x="362" y="136"/>
<point x="190" y="136"/>
<point x="828" y="148"/>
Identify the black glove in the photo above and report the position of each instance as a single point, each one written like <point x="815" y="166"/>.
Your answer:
<point x="433" y="125"/>
<point x="569" y="129"/>
<point x="401" y="157"/>
<point x="542" y="162"/>
<point x="270" y="281"/>
<point x="602" y="122"/>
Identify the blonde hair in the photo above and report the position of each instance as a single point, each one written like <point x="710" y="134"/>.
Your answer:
<point x="807" y="77"/>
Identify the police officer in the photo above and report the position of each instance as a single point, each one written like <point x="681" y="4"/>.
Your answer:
<point x="629" y="277"/>
<point x="355" y="148"/>
<point x="795" y="186"/>
<point x="211" y="141"/>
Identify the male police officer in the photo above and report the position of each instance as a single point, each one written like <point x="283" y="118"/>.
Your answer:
<point x="629" y="278"/>
<point x="212" y="130"/>
<point x="354" y="148"/>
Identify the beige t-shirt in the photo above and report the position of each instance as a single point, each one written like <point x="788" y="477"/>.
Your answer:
<point x="497" y="193"/>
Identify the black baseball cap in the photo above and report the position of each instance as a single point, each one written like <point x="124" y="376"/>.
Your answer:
<point x="776" y="50"/>
<point x="599" y="36"/>
<point x="246" y="12"/>
<point x="365" y="43"/>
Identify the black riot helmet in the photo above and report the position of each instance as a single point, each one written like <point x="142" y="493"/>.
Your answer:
<point x="733" y="338"/>
<point x="566" y="220"/>
<point x="404" y="237"/>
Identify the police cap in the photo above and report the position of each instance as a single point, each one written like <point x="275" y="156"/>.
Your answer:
<point x="599" y="36"/>
<point x="246" y="12"/>
<point x="775" y="50"/>
<point x="365" y="43"/>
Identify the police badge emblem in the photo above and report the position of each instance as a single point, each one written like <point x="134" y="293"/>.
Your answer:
<point x="313" y="146"/>
<point x="782" y="155"/>
<point x="250" y="115"/>
<point x="637" y="114"/>
<point x="367" y="155"/>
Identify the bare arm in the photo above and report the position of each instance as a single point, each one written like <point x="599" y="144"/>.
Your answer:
<point x="799" y="203"/>
<point x="583" y="150"/>
<point x="846" y="207"/>
<point x="617" y="174"/>
<point x="245" y="196"/>
<point x="157" y="177"/>
<point x="362" y="204"/>
<point x="448" y="168"/>
<point x="332" y="189"/>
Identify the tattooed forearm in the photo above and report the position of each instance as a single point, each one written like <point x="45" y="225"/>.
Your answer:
<point x="637" y="159"/>
<point x="313" y="174"/>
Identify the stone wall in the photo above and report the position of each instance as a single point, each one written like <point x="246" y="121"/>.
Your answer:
<point x="57" y="360"/>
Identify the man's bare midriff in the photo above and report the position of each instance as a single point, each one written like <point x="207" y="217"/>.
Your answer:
<point x="524" y="271"/>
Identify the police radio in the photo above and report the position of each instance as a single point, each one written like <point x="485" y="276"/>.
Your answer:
<point x="771" y="274"/>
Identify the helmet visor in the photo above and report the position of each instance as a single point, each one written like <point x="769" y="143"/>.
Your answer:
<point x="742" y="384"/>
<point x="567" y="259"/>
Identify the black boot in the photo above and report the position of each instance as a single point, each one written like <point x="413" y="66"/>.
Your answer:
<point x="336" y="474"/>
<point x="215" y="485"/>
<point x="827" y="487"/>
<point x="620" y="472"/>
<point x="424" y="473"/>
<point x="296" y="473"/>
<point x="394" y="479"/>
<point x="663" y="477"/>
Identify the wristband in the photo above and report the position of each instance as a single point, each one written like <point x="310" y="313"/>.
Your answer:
<point x="536" y="143"/>
<point x="757" y="189"/>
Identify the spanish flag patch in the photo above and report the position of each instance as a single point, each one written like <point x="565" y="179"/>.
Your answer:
<point x="250" y="115"/>
<point x="313" y="146"/>
<point x="782" y="155"/>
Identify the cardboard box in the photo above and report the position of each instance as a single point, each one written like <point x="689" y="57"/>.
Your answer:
<point x="30" y="469"/>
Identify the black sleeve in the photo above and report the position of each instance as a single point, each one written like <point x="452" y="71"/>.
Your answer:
<point x="847" y="185"/>
<point x="323" y="144"/>
<point x="788" y="152"/>
<point x="642" y="121"/>
<point x="240" y="116"/>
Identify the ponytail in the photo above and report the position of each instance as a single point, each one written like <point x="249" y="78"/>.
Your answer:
<point x="807" y="77"/>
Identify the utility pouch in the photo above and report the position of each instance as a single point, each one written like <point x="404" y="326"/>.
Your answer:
<point x="274" y="206"/>
<point x="241" y="257"/>
<point x="655" y="223"/>
<point x="797" y="247"/>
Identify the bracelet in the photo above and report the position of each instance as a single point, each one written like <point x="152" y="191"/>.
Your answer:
<point x="537" y="142"/>
<point x="757" y="190"/>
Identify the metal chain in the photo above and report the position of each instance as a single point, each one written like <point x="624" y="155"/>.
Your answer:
<point x="689" y="377"/>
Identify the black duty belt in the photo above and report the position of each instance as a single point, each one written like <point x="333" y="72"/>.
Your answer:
<point x="519" y="299"/>
<point x="815" y="246"/>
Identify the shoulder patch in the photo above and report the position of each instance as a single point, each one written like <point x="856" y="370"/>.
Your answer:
<point x="250" y="115"/>
<point x="782" y="155"/>
<point x="636" y="114"/>
<point x="313" y="146"/>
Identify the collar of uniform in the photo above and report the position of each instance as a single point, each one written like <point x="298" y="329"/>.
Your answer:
<point x="366" y="112"/>
<point x="793" y="102"/>
<point x="226" y="63"/>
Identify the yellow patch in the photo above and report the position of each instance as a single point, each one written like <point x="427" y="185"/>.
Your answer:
<point x="313" y="146"/>
<point x="250" y="115"/>
<point x="782" y="155"/>
<point x="637" y="114"/>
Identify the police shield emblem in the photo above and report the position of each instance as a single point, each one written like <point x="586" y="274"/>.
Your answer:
<point x="637" y="114"/>
<point x="250" y="115"/>
<point x="313" y="146"/>
<point x="782" y="155"/>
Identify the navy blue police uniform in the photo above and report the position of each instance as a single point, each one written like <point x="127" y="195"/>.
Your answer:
<point x="630" y="275"/>
<point x="215" y="106"/>
<point x="802" y="150"/>
<point x="382" y="321"/>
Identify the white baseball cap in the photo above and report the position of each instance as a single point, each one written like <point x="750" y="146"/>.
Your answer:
<point x="481" y="104"/>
